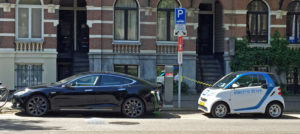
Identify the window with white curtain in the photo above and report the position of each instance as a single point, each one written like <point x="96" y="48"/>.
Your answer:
<point x="257" y="22"/>
<point x="126" y="22"/>
<point x="293" y="22"/>
<point x="29" y="19"/>
<point x="166" y="20"/>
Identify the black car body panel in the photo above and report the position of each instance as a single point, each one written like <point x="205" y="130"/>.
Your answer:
<point x="99" y="97"/>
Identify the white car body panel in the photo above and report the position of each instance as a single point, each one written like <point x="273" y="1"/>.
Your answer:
<point x="240" y="100"/>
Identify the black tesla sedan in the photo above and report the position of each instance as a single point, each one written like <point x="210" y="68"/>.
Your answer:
<point x="93" y="91"/>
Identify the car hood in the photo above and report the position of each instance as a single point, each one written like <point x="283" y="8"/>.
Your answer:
<point x="211" y="91"/>
<point x="46" y="85"/>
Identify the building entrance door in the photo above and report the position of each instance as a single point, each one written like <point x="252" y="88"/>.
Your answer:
<point x="72" y="39"/>
<point x="205" y="34"/>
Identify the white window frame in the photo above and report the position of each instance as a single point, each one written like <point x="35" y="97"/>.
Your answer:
<point x="163" y="42"/>
<point x="134" y="42"/>
<point x="30" y="7"/>
<point x="269" y="27"/>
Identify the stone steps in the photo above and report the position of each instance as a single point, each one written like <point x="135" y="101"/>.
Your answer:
<point x="80" y="63"/>
<point x="209" y="69"/>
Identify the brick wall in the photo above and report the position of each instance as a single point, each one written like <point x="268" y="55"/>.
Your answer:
<point x="8" y="20"/>
<point x="100" y="14"/>
<point x="235" y="12"/>
<point x="103" y="31"/>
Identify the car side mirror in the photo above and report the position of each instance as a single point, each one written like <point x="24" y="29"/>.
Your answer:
<point x="264" y="86"/>
<point x="68" y="86"/>
<point x="234" y="85"/>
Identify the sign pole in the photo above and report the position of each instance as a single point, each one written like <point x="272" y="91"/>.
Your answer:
<point x="180" y="30"/>
<point x="180" y="49"/>
<point x="179" y="87"/>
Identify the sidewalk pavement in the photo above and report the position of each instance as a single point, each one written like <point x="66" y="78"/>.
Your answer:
<point x="190" y="103"/>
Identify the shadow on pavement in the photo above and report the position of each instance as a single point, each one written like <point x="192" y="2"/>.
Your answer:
<point x="77" y="114"/>
<point x="18" y="125"/>
<point x="251" y="116"/>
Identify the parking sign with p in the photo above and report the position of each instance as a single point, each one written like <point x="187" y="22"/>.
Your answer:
<point x="179" y="15"/>
<point x="180" y="22"/>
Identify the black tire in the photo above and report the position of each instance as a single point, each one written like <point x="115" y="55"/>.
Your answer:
<point x="37" y="105"/>
<point x="274" y="110"/>
<point x="133" y="107"/>
<point x="219" y="110"/>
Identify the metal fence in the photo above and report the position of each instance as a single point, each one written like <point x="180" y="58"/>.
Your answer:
<point x="28" y="75"/>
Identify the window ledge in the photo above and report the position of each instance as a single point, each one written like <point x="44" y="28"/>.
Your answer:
<point x="166" y="43"/>
<point x="29" y="40"/>
<point x="264" y="45"/>
<point x="126" y="42"/>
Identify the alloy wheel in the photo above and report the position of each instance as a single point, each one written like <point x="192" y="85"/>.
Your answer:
<point x="221" y="111"/>
<point x="133" y="107"/>
<point x="275" y="110"/>
<point x="37" y="106"/>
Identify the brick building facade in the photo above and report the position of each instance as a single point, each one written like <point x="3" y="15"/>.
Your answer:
<point x="46" y="40"/>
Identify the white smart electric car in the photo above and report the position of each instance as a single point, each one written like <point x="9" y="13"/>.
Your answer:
<point x="243" y="92"/>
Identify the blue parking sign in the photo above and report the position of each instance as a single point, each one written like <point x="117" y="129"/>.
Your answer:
<point x="179" y="15"/>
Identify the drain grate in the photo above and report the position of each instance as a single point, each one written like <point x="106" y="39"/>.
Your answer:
<point x="124" y="123"/>
<point x="95" y="121"/>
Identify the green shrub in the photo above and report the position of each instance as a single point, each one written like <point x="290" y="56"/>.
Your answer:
<point x="184" y="87"/>
<point x="284" y="91"/>
<point x="278" y="55"/>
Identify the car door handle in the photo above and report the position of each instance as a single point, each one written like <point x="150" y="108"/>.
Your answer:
<point x="88" y="90"/>
<point x="121" y="89"/>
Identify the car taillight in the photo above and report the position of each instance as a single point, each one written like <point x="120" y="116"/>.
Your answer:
<point x="279" y="91"/>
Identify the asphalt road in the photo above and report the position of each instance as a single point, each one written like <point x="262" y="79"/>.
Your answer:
<point x="164" y="123"/>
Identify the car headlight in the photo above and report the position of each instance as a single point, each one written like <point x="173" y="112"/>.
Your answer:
<point x="22" y="92"/>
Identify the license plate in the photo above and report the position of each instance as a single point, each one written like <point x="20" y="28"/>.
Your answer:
<point x="202" y="103"/>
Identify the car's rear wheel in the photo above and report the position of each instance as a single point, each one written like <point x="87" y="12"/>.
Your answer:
<point x="219" y="110"/>
<point x="133" y="107"/>
<point x="37" y="105"/>
<point x="274" y="110"/>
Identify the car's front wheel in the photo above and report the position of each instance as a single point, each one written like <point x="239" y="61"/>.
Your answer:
<point x="219" y="110"/>
<point x="133" y="107"/>
<point x="37" y="105"/>
<point x="274" y="110"/>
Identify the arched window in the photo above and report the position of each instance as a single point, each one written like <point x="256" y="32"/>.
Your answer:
<point x="257" y="22"/>
<point x="126" y="22"/>
<point x="29" y="20"/>
<point x="166" y="20"/>
<point x="293" y="22"/>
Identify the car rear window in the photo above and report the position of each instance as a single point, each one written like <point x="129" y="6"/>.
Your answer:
<point x="275" y="79"/>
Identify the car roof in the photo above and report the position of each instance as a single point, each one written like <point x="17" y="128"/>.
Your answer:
<point x="254" y="72"/>
<point x="116" y="73"/>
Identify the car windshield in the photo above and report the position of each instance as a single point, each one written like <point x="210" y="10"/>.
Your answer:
<point x="68" y="79"/>
<point x="225" y="80"/>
